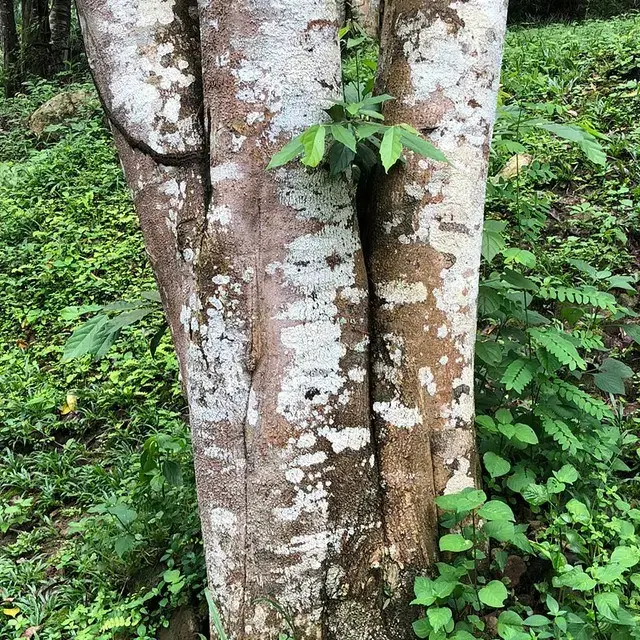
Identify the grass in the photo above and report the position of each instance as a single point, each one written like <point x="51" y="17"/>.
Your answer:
<point x="99" y="533"/>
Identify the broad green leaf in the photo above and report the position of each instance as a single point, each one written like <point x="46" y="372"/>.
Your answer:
<point x="465" y="500"/>
<point x="414" y="142"/>
<point x="493" y="594"/>
<point x="521" y="479"/>
<point x="368" y="129"/>
<point x="579" y="511"/>
<point x="608" y="573"/>
<point x="566" y="474"/>
<point x="607" y="604"/>
<point x="454" y="542"/>
<point x="72" y="313"/>
<point x="574" y="133"/>
<point x="575" y="579"/>
<point x="172" y="473"/>
<point x="340" y="158"/>
<point x="313" y="142"/>
<point x="500" y="530"/>
<point x="625" y="556"/>
<point x="128" y="318"/>
<point x="495" y="465"/>
<point x="489" y="351"/>
<point x="525" y="434"/>
<point x="519" y="256"/>
<point x="496" y="510"/>
<point x="391" y="147"/>
<point x="87" y="338"/>
<point x="123" y="544"/>
<point x="343" y="134"/>
<point x="290" y="151"/>
<point x="439" y="617"/>
<point x="422" y="628"/>
<point x="510" y="625"/>
<point x="536" y="621"/>
<point x="611" y="376"/>
<point x="633" y="331"/>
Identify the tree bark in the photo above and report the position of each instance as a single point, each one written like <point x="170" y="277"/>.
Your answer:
<point x="10" y="48"/>
<point x="368" y="13"/>
<point x="441" y="60"/>
<point x="264" y="285"/>
<point x="59" y="25"/>
<point x="35" y="38"/>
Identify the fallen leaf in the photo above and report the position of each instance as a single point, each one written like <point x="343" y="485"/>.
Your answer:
<point x="28" y="633"/>
<point x="70" y="404"/>
<point x="12" y="613"/>
<point x="514" y="165"/>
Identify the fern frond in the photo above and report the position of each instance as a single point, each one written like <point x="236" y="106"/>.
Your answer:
<point x="590" y="405"/>
<point x="518" y="375"/>
<point x="584" y="295"/>
<point x="557" y="344"/>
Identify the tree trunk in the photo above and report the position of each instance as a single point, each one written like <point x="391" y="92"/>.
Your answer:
<point x="367" y="13"/>
<point x="59" y="25"/>
<point x="442" y="63"/>
<point x="10" y="48"/>
<point x="264" y="285"/>
<point x="35" y="38"/>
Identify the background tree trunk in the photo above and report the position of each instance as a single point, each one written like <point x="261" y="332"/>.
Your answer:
<point x="442" y="63"/>
<point x="264" y="284"/>
<point x="35" y="38"/>
<point x="367" y="13"/>
<point x="10" y="48"/>
<point x="59" y="25"/>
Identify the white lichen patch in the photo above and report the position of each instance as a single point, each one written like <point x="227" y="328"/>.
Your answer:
<point x="399" y="292"/>
<point x="397" y="414"/>
<point x="354" y="438"/>
<point x="147" y="79"/>
<point x="427" y="380"/>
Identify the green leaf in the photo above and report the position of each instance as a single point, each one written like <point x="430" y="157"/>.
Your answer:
<point x="87" y="338"/>
<point x="633" y="331"/>
<point x="340" y="158"/>
<point x="575" y="579"/>
<point x="343" y="134"/>
<point x="489" y="352"/>
<point x="500" y="530"/>
<point x="123" y="544"/>
<point x="574" y="133"/>
<point x="578" y="511"/>
<point x="439" y="617"/>
<point x="414" y="142"/>
<point x="611" y="376"/>
<point x="391" y="147"/>
<point x="72" y="313"/>
<point x="525" y="434"/>
<point x="214" y="614"/>
<point x="454" y="542"/>
<point x="496" y="465"/>
<point x="172" y="473"/>
<point x="518" y="375"/>
<point x="496" y="510"/>
<point x="625" y="556"/>
<point x="537" y="621"/>
<point x="290" y="151"/>
<point x="128" y="318"/>
<point x="494" y="594"/>
<point x="422" y="628"/>
<point x="520" y="256"/>
<point x="608" y="573"/>
<point x="313" y="142"/>
<point x="493" y="241"/>
<point x="510" y="626"/>
<point x="607" y="604"/>
<point x="465" y="500"/>
<point x="566" y="474"/>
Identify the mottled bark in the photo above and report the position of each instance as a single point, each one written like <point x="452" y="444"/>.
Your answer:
<point x="441" y="60"/>
<point x="10" y="47"/>
<point x="264" y="284"/>
<point x="367" y="13"/>
<point x="59" y="25"/>
<point x="35" y="38"/>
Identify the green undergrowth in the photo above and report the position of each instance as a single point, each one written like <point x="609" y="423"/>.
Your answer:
<point x="96" y="541"/>
<point x="99" y="534"/>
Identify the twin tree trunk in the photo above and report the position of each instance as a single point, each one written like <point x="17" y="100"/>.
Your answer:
<point x="330" y="393"/>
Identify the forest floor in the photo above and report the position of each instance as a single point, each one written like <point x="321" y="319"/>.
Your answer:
<point x="99" y="533"/>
